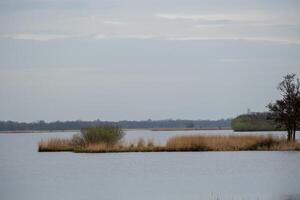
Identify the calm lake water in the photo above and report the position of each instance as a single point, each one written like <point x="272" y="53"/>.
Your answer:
<point x="27" y="174"/>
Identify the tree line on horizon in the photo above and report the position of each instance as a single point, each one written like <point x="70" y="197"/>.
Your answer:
<point x="145" y="124"/>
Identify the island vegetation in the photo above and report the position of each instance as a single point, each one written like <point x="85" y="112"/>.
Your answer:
<point x="255" y="122"/>
<point x="109" y="139"/>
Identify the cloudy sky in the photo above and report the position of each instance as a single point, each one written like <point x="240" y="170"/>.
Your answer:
<point x="139" y="59"/>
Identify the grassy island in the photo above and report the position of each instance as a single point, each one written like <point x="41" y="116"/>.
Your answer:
<point x="108" y="139"/>
<point x="255" y="122"/>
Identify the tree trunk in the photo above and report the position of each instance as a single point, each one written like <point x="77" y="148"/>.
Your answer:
<point x="289" y="136"/>
<point x="294" y="134"/>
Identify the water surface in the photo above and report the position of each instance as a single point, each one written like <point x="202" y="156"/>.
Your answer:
<point x="27" y="174"/>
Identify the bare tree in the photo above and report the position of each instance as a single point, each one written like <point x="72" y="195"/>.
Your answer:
<point x="286" y="111"/>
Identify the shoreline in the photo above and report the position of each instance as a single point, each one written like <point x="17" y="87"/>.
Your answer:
<point x="148" y="129"/>
<point x="35" y="131"/>
<point x="125" y="129"/>
<point x="190" y="129"/>
<point x="167" y="151"/>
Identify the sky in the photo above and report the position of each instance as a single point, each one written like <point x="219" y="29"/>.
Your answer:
<point x="140" y="59"/>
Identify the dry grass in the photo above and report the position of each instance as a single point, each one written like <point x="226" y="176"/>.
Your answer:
<point x="98" y="148"/>
<point x="141" y="143"/>
<point x="55" y="144"/>
<point x="139" y="146"/>
<point x="221" y="143"/>
<point x="287" y="146"/>
<point x="179" y="143"/>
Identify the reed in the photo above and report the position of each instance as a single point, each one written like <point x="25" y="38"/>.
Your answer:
<point x="178" y="143"/>
<point x="222" y="143"/>
<point x="139" y="146"/>
<point x="55" y="144"/>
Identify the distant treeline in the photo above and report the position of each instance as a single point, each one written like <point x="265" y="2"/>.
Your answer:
<point x="147" y="124"/>
<point x="255" y="122"/>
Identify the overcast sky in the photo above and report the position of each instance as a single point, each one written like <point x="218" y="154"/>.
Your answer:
<point x="140" y="59"/>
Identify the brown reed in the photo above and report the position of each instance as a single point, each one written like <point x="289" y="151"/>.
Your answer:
<point x="178" y="143"/>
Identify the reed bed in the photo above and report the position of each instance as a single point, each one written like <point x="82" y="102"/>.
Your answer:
<point x="178" y="143"/>
<point x="55" y="144"/>
<point x="222" y="143"/>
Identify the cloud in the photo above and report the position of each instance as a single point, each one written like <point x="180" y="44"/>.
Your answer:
<point x="198" y="38"/>
<point x="231" y="60"/>
<point x="114" y="22"/>
<point x="243" y="24"/>
<point x="200" y="26"/>
<point x="36" y="37"/>
<point x="100" y="37"/>
<point x="125" y="36"/>
<point x="49" y="37"/>
<point x="211" y="17"/>
<point x="251" y="39"/>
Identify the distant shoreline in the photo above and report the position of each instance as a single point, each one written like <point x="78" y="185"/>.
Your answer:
<point x="36" y="131"/>
<point x="128" y="129"/>
<point x="148" y="129"/>
<point x="190" y="129"/>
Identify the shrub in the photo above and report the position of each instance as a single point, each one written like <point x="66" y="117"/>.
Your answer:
<point x="77" y="140"/>
<point x="106" y="134"/>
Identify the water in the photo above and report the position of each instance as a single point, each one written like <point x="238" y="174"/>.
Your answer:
<point x="27" y="174"/>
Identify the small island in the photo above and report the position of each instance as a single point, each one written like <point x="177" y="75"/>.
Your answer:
<point x="109" y="140"/>
<point x="284" y="115"/>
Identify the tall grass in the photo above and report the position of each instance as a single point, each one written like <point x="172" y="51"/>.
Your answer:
<point x="178" y="143"/>
<point x="221" y="143"/>
<point x="55" y="144"/>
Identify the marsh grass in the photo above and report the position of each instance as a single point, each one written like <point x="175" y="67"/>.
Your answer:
<point x="55" y="144"/>
<point x="221" y="143"/>
<point x="177" y="143"/>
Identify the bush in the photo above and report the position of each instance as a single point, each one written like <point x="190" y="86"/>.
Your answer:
<point x="106" y="134"/>
<point x="77" y="140"/>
